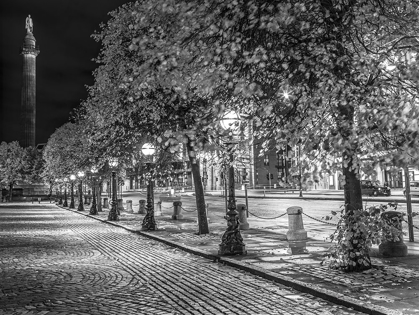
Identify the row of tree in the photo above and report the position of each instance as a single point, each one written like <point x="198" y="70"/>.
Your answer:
<point x="19" y="164"/>
<point x="338" y="78"/>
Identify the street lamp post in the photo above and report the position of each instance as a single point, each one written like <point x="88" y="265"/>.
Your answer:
<point x="149" y="223"/>
<point x="72" y="178"/>
<point x="80" y="175"/>
<point x="113" y="213"/>
<point x="65" y="204"/>
<point x="93" y="208"/>
<point x="232" y="241"/>
<point x="58" y="191"/>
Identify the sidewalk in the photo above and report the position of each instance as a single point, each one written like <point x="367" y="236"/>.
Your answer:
<point x="390" y="287"/>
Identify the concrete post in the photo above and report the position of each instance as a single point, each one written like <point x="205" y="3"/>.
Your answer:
<point x="243" y="224"/>
<point x="177" y="208"/>
<point x="129" y="206"/>
<point x="120" y="205"/>
<point x="99" y="204"/>
<point x="141" y="209"/>
<point x="296" y="230"/>
<point x="206" y="211"/>
<point x="105" y="203"/>
<point x="157" y="210"/>
<point x="396" y="248"/>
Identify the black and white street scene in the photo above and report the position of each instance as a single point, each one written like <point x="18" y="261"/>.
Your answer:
<point x="211" y="157"/>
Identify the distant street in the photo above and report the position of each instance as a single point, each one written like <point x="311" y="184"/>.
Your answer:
<point x="53" y="261"/>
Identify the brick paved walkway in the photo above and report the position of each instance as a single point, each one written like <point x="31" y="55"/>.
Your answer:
<point x="56" y="262"/>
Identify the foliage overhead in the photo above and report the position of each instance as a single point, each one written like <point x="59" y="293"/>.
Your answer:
<point x="13" y="163"/>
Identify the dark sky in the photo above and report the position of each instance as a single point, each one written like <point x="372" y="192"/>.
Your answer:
<point x="62" y="29"/>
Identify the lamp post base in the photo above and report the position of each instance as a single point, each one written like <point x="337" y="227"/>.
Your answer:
<point x="232" y="241"/>
<point x="93" y="210"/>
<point x="113" y="214"/>
<point x="149" y="224"/>
<point x="232" y="249"/>
<point x="80" y="207"/>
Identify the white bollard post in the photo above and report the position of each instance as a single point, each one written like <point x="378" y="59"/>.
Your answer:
<point x="129" y="206"/>
<point x="177" y="208"/>
<point x="157" y="209"/>
<point x="120" y="205"/>
<point x="243" y="224"/>
<point x="296" y="230"/>
<point x="141" y="209"/>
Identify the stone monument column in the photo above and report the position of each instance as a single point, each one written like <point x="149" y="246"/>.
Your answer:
<point x="29" y="51"/>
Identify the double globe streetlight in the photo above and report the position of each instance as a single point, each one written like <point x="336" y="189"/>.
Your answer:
<point x="80" y="175"/>
<point x="231" y="241"/>
<point x="72" y="179"/>
<point x="149" y="223"/>
<point x="113" y="213"/>
<point x="65" y="204"/>
<point x="93" y="208"/>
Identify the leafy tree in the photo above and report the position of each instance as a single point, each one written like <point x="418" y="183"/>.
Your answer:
<point x="65" y="152"/>
<point x="316" y="70"/>
<point x="34" y="167"/>
<point x="313" y="70"/>
<point x="132" y="98"/>
<point x="13" y="164"/>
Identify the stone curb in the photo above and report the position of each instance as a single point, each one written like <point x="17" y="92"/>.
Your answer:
<point x="328" y="295"/>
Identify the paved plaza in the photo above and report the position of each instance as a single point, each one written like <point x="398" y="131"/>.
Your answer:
<point x="57" y="262"/>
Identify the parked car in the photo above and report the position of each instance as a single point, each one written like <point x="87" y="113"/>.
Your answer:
<point x="414" y="188"/>
<point x="373" y="188"/>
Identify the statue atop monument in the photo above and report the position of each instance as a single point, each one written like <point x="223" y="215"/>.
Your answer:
<point x="29" y="24"/>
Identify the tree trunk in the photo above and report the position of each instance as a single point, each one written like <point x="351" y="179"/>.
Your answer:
<point x="357" y="254"/>
<point x="10" y="192"/>
<point x="98" y="196"/>
<point x="352" y="187"/>
<point x="199" y="192"/>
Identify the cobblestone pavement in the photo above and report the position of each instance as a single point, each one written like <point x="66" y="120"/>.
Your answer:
<point x="390" y="287"/>
<point x="56" y="262"/>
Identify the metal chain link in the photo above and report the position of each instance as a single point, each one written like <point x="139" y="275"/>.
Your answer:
<point x="281" y="215"/>
<point x="334" y="224"/>
<point x="412" y="224"/>
<point x="187" y="210"/>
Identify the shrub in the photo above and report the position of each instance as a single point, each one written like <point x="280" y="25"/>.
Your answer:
<point x="356" y="232"/>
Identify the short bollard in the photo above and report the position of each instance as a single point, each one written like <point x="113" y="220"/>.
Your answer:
<point x="39" y="200"/>
<point x="129" y="206"/>
<point x="142" y="210"/>
<point x="393" y="248"/>
<point x="157" y="209"/>
<point x="120" y="204"/>
<point x="206" y="211"/>
<point x="177" y="208"/>
<point x="99" y="204"/>
<point x="243" y="224"/>
<point x="105" y="203"/>
<point x="296" y="230"/>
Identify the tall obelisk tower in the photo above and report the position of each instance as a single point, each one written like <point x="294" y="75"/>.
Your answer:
<point x="29" y="51"/>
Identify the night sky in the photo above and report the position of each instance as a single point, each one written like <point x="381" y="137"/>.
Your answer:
<point x="63" y="30"/>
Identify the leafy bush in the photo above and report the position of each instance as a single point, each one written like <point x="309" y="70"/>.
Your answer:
<point x="356" y="232"/>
